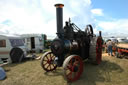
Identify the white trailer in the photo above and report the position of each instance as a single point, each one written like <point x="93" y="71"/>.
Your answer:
<point x="34" y="42"/>
<point x="7" y="45"/>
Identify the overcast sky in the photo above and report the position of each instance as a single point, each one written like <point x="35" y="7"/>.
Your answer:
<point x="38" y="16"/>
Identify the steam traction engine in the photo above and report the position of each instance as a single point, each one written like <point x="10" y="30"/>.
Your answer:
<point x="71" y="47"/>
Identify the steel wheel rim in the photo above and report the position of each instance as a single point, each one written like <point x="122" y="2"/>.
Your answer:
<point x="98" y="50"/>
<point x="47" y="62"/>
<point x="73" y="69"/>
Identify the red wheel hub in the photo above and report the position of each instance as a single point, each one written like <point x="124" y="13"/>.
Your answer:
<point x="49" y="61"/>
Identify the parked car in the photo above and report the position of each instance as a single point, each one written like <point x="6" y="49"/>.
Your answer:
<point x="123" y="40"/>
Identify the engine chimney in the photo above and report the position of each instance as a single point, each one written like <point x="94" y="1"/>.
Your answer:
<point x="59" y="17"/>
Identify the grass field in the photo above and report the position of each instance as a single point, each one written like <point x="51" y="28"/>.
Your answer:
<point x="112" y="71"/>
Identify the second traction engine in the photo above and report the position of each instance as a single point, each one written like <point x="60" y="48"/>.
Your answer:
<point x="71" y="47"/>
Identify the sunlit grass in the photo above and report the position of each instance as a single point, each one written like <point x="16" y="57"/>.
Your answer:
<point x="112" y="71"/>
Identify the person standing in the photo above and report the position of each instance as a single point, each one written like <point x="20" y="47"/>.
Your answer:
<point x="109" y="47"/>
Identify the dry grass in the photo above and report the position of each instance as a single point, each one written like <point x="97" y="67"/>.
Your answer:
<point x="112" y="71"/>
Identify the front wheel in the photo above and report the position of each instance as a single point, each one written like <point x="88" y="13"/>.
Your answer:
<point x="47" y="62"/>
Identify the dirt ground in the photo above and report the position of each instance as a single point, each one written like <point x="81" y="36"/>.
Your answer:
<point x="123" y="45"/>
<point x="112" y="71"/>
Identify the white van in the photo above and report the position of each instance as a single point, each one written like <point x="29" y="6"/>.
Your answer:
<point x="9" y="44"/>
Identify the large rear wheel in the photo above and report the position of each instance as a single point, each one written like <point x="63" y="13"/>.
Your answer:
<point x="98" y="50"/>
<point x="95" y="51"/>
<point x="72" y="68"/>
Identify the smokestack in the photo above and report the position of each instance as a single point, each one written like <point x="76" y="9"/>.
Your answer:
<point x="100" y="33"/>
<point x="59" y="17"/>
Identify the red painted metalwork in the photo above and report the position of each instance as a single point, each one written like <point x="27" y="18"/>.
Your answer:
<point x="74" y="68"/>
<point x="120" y="50"/>
<point x="99" y="50"/>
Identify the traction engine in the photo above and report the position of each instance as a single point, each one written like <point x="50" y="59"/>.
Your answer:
<point x="71" y="47"/>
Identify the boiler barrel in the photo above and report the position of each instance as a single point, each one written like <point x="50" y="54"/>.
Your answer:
<point x="59" y="17"/>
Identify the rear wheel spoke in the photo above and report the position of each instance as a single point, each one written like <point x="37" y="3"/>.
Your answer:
<point x="70" y="75"/>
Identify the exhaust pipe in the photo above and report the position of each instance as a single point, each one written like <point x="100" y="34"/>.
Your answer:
<point x="59" y="17"/>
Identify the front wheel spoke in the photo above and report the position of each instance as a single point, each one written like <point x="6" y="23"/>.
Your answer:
<point x="48" y="66"/>
<point x="53" y="57"/>
<point x="47" y="57"/>
<point x="53" y="65"/>
<point x="45" y="63"/>
<point x="45" y="60"/>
